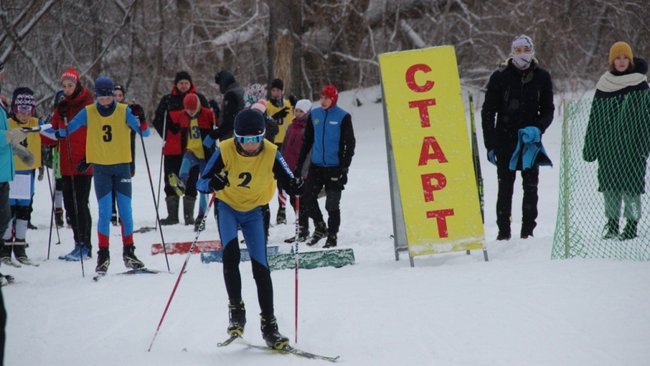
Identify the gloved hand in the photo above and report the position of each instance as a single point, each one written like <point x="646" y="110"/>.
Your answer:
<point x="62" y="108"/>
<point x="23" y="154"/>
<point x="341" y="177"/>
<point x="280" y="114"/>
<point x="293" y="100"/>
<point x="83" y="166"/>
<point x="215" y="107"/>
<point x="492" y="157"/>
<point x="296" y="185"/>
<point x="219" y="182"/>
<point x="15" y="136"/>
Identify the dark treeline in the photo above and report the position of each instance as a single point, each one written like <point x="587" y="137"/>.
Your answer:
<point x="143" y="43"/>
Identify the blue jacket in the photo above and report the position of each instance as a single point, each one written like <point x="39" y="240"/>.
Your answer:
<point x="529" y="149"/>
<point x="330" y="137"/>
<point x="7" y="168"/>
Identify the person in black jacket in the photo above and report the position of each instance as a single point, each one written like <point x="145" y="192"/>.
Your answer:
<point x="519" y="95"/>
<point x="233" y="102"/>
<point x="175" y="141"/>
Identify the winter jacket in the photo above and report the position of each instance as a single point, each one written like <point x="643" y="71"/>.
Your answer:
<point x="514" y="100"/>
<point x="175" y="137"/>
<point x="618" y="133"/>
<point x="7" y="168"/>
<point x="233" y="102"/>
<point x="293" y="142"/>
<point x="206" y="122"/>
<point x="330" y="138"/>
<point x="530" y="152"/>
<point x="65" y="111"/>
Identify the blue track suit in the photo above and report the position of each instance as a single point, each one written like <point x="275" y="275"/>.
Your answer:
<point x="108" y="177"/>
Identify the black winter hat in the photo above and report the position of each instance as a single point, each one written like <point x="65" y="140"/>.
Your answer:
<point x="182" y="75"/>
<point x="249" y="122"/>
<point x="224" y="78"/>
<point x="277" y="83"/>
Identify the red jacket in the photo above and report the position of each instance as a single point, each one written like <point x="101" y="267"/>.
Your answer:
<point x="70" y="106"/>
<point x="175" y="138"/>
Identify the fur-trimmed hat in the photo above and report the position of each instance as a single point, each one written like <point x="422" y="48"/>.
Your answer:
<point x="23" y="101"/>
<point x="620" y="49"/>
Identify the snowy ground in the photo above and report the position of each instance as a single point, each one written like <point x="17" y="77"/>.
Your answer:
<point x="520" y="308"/>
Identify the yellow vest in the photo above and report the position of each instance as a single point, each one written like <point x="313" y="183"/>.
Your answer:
<point x="108" y="139"/>
<point x="282" y="128"/>
<point x="194" y="141"/>
<point x="251" y="177"/>
<point x="32" y="143"/>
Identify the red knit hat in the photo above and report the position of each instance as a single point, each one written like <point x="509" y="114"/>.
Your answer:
<point x="330" y="91"/>
<point x="191" y="102"/>
<point x="70" y="74"/>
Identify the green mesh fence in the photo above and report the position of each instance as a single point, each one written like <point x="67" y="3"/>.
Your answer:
<point x="604" y="210"/>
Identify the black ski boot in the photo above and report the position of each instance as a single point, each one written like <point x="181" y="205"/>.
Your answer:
<point x="629" y="232"/>
<point x="172" y="211"/>
<point x="188" y="209"/>
<point x="271" y="334"/>
<point x="331" y="241"/>
<point x="19" y="252"/>
<point x="237" y="313"/>
<point x="319" y="233"/>
<point x="5" y="255"/>
<point x="58" y="217"/>
<point x="103" y="260"/>
<point x="130" y="260"/>
<point x="302" y="237"/>
<point x="611" y="229"/>
<point x="281" y="217"/>
<point x="503" y="235"/>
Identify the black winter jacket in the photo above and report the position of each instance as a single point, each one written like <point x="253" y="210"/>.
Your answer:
<point x="515" y="99"/>
<point x="233" y="102"/>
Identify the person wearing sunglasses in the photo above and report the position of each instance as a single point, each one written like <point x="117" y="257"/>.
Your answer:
<point x="242" y="173"/>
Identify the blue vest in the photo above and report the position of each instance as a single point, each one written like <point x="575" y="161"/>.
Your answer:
<point x="327" y="136"/>
<point x="7" y="169"/>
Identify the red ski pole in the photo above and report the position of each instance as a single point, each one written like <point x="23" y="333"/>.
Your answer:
<point x="180" y="274"/>
<point x="296" y="270"/>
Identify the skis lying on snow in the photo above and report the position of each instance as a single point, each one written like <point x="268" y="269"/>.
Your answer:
<point x="99" y="275"/>
<point x="288" y="350"/>
<point x="144" y="229"/>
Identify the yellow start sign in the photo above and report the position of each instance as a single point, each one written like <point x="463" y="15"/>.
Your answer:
<point x="431" y="151"/>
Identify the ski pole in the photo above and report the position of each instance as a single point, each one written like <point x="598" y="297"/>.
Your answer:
<point x="180" y="274"/>
<point x="74" y="190"/>
<point x="49" y="241"/>
<point x="153" y="195"/>
<point x="162" y="156"/>
<point x="296" y="271"/>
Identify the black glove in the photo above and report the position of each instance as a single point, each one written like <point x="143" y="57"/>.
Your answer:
<point x="62" y="108"/>
<point x="172" y="127"/>
<point x="281" y="113"/>
<point x="293" y="100"/>
<point x="138" y="111"/>
<point x="296" y="185"/>
<point x="219" y="182"/>
<point x="215" y="107"/>
<point x="83" y="166"/>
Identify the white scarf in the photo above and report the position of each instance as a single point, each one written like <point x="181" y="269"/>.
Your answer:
<point x="609" y="82"/>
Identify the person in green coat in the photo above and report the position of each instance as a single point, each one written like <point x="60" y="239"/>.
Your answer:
<point x="618" y="137"/>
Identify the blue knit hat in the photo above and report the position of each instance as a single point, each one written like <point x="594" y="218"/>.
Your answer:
<point x="249" y="122"/>
<point x="104" y="87"/>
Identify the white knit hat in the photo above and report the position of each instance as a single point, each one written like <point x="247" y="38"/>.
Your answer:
<point x="304" y="105"/>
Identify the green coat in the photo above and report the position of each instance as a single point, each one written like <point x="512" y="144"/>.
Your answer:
<point x="618" y="135"/>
